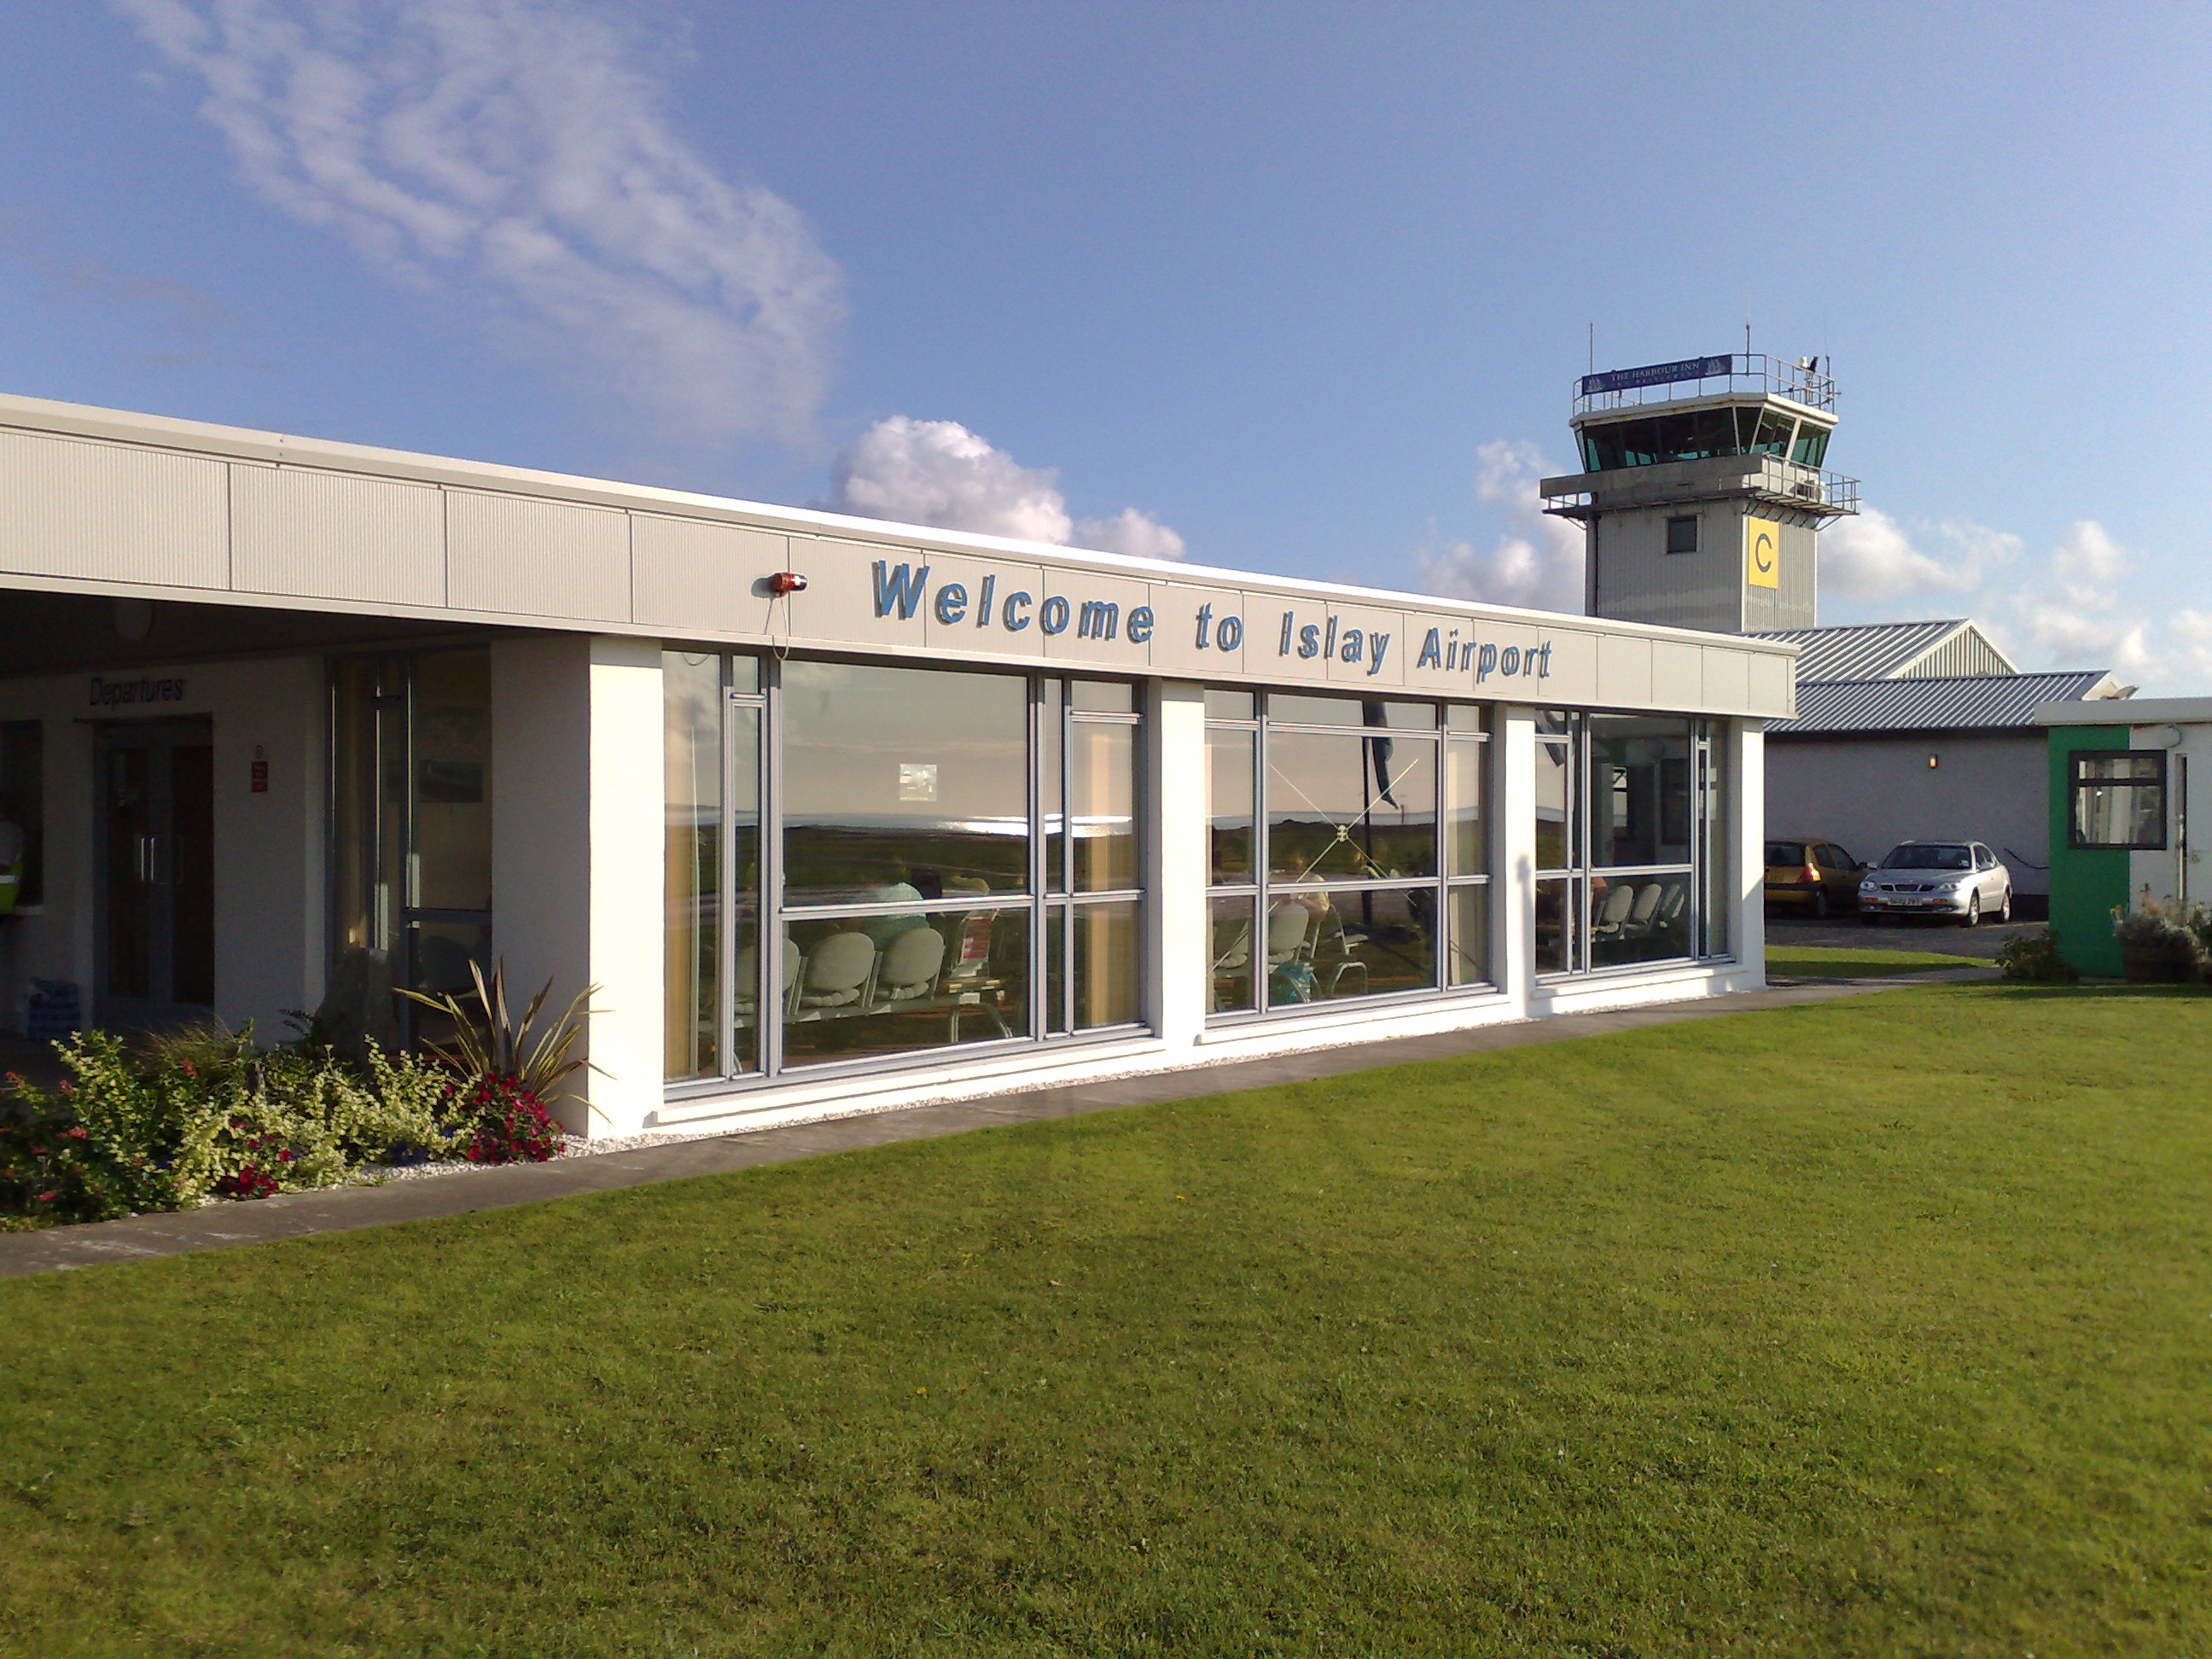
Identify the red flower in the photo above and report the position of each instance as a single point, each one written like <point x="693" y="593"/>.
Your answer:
<point x="48" y="1198"/>
<point x="77" y="1134"/>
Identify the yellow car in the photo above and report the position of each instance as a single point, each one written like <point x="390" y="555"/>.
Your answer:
<point x="1814" y="877"/>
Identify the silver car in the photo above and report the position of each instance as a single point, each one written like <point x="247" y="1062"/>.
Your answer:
<point x="1962" y="881"/>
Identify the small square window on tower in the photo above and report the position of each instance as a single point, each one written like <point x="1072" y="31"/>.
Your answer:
<point x="1682" y="534"/>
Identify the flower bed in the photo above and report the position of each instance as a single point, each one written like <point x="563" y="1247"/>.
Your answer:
<point x="209" y="1114"/>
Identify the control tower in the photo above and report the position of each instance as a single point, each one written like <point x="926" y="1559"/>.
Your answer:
<point x="1701" y="491"/>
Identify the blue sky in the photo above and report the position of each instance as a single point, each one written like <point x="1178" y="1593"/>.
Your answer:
<point x="1295" y="288"/>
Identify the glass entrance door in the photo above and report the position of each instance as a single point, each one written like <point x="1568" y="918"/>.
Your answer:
<point x="154" y="926"/>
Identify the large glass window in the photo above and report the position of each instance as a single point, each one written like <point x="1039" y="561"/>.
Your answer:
<point x="955" y="859"/>
<point x="1347" y="842"/>
<point x="1625" y="814"/>
<point x="410" y="836"/>
<point x="2116" y="798"/>
<point x="23" y="805"/>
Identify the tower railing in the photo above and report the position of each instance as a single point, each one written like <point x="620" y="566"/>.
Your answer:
<point x="1801" y="381"/>
<point x="1770" y="477"/>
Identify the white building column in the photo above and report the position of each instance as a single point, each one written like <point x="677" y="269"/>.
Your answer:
<point x="1513" y="857"/>
<point x="1745" y="824"/>
<point x="1180" y="942"/>
<point x="576" y="854"/>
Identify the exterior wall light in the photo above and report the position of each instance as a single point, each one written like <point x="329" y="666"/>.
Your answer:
<point x="1931" y="763"/>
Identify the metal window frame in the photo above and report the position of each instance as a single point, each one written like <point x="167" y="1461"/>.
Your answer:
<point x="772" y="915"/>
<point x="2076" y="784"/>
<point x="1260" y="892"/>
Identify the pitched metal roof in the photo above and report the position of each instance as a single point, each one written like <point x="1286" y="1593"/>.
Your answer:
<point x="1972" y="703"/>
<point x="1885" y="651"/>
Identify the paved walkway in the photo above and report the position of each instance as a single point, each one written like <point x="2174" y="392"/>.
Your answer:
<point x="344" y="1209"/>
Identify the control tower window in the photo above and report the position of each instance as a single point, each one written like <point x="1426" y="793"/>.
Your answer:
<point x="1775" y="432"/>
<point x="1811" y="446"/>
<point x="1682" y="534"/>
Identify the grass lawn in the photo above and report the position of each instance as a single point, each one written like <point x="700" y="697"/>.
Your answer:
<point x="1882" y="1326"/>
<point x="1848" y="962"/>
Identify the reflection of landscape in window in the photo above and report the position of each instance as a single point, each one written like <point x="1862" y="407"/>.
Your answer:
<point x="1355" y="802"/>
<point x="911" y="920"/>
<point x="2119" y="801"/>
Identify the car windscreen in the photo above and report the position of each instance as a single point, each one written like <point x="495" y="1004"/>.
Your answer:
<point x="1921" y="856"/>
<point x="1785" y="851"/>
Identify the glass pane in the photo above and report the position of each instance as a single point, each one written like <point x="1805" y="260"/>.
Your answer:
<point x="1229" y="947"/>
<point x="1717" y="903"/>
<point x="936" y="980"/>
<point x="2119" y="815"/>
<point x="1222" y="705"/>
<point x="1102" y="696"/>
<point x="744" y="674"/>
<point x="1638" y="918"/>
<point x="1108" y="942"/>
<point x="691" y="792"/>
<point x="1283" y="705"/>
<point x="1346" y="807"/>
<point x="742" y="804"/>
<point x="1102" y="783"/>
<point x="1055" y="970"/>
<point x="1554" y="723"/>
<point x="439" y="956"/>
<point x="2137" y="769"/>
<point x="1466" y="717"/>
<point x="368" y="845"/>
<point x="1228" y="805"/>
<point x="1324" y="946"/>
<point x="1470" y="936"/>
<point x="452" y="774"/>
<point x="1555" y="925"/>
<point x="1555" y="841"/>
<point x="903" y="783"/>
<point x="1639" y="790"/>
<point x="1466" y="842"/>
<point x="1052" y="786"/>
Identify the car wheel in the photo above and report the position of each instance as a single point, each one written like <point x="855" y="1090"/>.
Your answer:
<point x="1973" y="916"/>
<point x="1819" y="907"/>
<point x="2005" y="914"/>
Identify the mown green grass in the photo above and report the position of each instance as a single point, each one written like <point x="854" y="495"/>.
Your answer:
<point x="1848" y="961"/>
<point x="1882" y="1326"/>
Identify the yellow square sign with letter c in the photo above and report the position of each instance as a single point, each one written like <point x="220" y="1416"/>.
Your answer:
<point x="1762" y="552"/>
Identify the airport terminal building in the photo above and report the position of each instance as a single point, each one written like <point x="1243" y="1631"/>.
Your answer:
<point x="838" y="814"/>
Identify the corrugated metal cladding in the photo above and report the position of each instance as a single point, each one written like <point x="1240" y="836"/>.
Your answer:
<point x="1887" y="650"/>
<point x="1968" y="703"/>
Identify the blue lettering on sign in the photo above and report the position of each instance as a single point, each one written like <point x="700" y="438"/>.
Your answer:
<point x="1052" y="615"/>
<point x="1140" y="624"/>
<point x="1015" y="622"/>
<point x="1229" y="633"/>
<point x="952" y="603"/>
<point x="901" y="587"/>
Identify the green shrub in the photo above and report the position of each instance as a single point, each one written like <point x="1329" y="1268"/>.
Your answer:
<point x="2036" y="958"/>
<point x="207" y="1111"/>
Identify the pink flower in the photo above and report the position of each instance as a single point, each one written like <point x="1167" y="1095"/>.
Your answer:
<point x="77" y="1134"/>
<point x="48" y="1198"/>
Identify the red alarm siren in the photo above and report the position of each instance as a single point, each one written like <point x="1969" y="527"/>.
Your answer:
<point x="786" y="581"/>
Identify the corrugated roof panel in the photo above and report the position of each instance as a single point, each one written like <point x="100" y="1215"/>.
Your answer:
<point x="1972" y="703"/>
<point x="1940" y="648"/>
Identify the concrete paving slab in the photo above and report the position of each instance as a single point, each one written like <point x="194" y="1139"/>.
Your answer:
<point x="346" y="1209"/>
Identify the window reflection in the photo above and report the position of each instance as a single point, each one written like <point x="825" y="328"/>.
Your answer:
<point x="902" y="783"/>
<point x="1555" y="847"/>
<point x="1470" y="936"/>
<point x="1640" y="790"/>
<point x="1324" y="945"/>
<point x="1228" y="804"/>
<point x="1350" y="807"/>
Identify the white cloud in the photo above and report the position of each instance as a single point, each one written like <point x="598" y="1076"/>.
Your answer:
<point x="2072" y="613"/>
<point x="516" y="151"/>
<point x="1139" y="535"/>
<point x="1538" y="562"/>
<point x="1872" y="557"/>
<point x="939" y="472"/>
